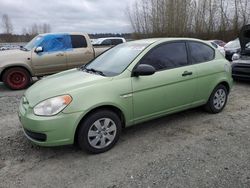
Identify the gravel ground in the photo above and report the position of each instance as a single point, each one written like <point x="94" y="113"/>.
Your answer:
<point x="188" y="149"/>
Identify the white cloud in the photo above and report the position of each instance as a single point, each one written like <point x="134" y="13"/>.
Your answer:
<point x="92" y="16"/>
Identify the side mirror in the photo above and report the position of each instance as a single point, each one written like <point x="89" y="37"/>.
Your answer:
<point x="39" y="49"/>
<point x="144" y="70"/>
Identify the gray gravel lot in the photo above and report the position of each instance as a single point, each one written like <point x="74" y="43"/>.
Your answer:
<point x="188" y="149"/>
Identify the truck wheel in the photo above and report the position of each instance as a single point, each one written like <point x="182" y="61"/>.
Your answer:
<point x="16" y="78"/>
<point x="217" y="100"/>
<point x="99" y="131"/>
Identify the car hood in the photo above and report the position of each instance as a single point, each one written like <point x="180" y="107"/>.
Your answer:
<point x="232" y="46"/>
<point x="14" y="55"/>
<point x="245" y="38"/>
<point x="60" y="84"/>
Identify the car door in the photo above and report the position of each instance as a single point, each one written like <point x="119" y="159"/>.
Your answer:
<point x="52" y="58"/>
<point x="171" y="88"/>
<point x="80" y="53"/>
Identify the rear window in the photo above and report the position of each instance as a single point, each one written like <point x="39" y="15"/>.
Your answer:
<point x="200" y="52"/>
<point x="78" y="41"/>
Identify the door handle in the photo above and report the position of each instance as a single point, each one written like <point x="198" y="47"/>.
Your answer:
<point x="187" y="73"/>
<point x="60" y="54"/>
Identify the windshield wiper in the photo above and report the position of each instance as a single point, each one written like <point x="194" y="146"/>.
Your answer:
<point x="93" y="70"/>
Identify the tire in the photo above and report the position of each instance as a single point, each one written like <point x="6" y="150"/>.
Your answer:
<point x="16" y="78"/>
<point x="99" y="132"/>
<point x="217" y="100"/>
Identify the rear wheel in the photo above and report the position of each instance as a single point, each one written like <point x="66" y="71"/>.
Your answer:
<point x="217" y="100"/>
<point x="16" y="78"/>
<point x="99" y="132"/>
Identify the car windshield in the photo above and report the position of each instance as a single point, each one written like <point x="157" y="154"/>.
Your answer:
<point x="117" y="59"/>
<point x="33" y="43"/>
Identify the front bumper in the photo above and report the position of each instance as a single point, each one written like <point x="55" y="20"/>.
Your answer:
<point x="48" y="131"/>
<point x="241" y="71"/>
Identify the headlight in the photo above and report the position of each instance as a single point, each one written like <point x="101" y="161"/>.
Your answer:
<point x="236" y="57"/>
<point x="52" y="106"/>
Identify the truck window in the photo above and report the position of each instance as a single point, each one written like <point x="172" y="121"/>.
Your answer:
<point x="78" y="41"/>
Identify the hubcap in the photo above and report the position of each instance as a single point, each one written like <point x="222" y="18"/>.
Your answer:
<point x="102" y="133"/>
<point x="17" y="79"/>
<point x="219" y="99"/>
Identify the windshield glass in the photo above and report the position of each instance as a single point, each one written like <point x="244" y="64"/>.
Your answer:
<point x="33" y="43"/>
<point x="116" y="60"/>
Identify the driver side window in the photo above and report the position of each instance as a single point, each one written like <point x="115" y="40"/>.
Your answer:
<point x="167" y="56"/>
<point x="53" y="45"/>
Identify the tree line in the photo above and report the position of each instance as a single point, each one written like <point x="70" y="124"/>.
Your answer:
<point x="206" y="19"/>
<point x="27" y="33"/>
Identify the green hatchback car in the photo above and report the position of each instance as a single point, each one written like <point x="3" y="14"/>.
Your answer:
<point x="128" y="84"/>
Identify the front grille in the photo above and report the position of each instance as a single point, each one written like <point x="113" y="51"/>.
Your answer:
<point x="36" y="136"/>
<point x="241" y="69"/>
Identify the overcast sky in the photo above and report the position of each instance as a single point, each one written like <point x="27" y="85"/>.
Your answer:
<point x="91" y="16"/>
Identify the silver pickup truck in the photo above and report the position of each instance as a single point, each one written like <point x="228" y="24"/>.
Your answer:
<point x="45" y="54"/>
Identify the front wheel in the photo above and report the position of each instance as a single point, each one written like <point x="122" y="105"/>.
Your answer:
<point x="99" y="132"/>
<point x="218" y="99"/>
<point x="16" y="78"/>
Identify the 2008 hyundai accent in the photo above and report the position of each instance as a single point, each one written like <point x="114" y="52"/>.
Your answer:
<point x="129" y="84"/>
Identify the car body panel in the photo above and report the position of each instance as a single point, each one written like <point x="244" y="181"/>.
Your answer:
<point x="23" y="60"/>
<point x="177" y="91"/>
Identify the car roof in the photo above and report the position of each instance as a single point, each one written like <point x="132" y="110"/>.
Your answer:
<point x="160" y="40"/>
<point x="110" y="38"/>
<point x="63" y="33"/>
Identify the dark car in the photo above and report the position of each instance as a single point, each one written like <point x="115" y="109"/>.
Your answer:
<point x="241" y="63"/>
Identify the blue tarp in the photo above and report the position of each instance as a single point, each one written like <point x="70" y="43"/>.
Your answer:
<point x="56" y="42"/>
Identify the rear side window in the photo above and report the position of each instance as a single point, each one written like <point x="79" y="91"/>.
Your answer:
<point x="167" y="56"/>
<point x="116" y="41"/>
<point x="214" y="45"/>
<point x="200" y="52"/>
<point x="78" y="41"/>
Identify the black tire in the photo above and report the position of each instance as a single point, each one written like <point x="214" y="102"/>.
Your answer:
<point x="210" y="106"/>
<point x="16" y="78"/>
<point x="88" y="123"/>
